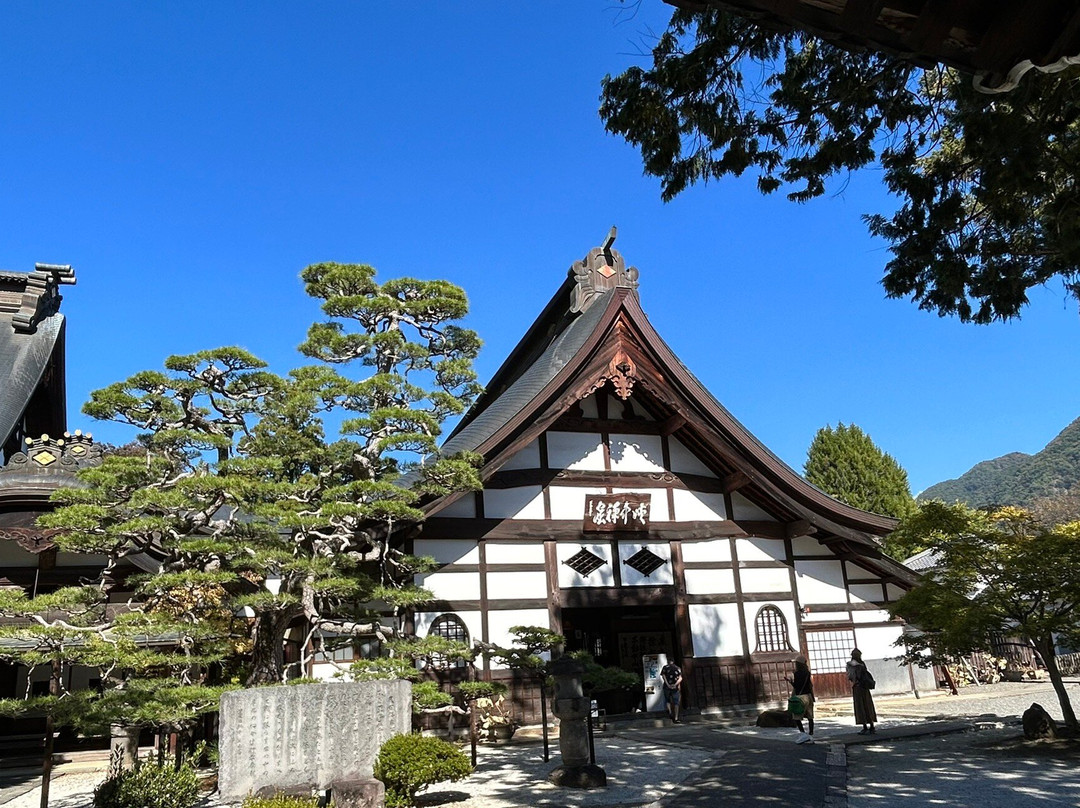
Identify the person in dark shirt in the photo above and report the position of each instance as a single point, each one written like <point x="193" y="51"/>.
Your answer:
<point x="671" y="675"/>
<point x="803" y="688"/>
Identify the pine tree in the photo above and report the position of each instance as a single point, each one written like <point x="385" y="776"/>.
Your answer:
<point x="845" y="463"/>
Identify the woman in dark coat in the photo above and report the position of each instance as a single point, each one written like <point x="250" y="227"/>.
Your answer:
<point x="861" y="683"/>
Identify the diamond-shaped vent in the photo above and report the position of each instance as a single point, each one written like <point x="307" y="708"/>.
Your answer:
<point x="584" y="562"/>
<point x="645" y="562"/>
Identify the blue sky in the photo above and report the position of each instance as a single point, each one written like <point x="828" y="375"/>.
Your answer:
<point x="189" y="159"/>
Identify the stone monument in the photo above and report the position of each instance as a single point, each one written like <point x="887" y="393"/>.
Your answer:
<point x="573" y="709"/>
<point x="290" y="737"/>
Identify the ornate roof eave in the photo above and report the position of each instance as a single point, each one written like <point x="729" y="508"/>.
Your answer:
<point x="33" y="296"/>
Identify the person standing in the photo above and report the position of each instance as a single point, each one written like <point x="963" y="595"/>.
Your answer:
<point x="861" y="685"/>
<point x="802" y="687"/>
<point x="671" y="675"/>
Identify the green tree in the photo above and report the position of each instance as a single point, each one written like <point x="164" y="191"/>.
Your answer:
<point x="997" y="571"/>
<point x="239" y="488"/>
<point x="988" y="207"/>
<point x="845" y="463"/>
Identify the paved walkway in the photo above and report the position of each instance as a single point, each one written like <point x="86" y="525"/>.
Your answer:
<point x="925" y="752"/>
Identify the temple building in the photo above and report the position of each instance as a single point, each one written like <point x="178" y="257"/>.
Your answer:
<point x="624" y="507"/>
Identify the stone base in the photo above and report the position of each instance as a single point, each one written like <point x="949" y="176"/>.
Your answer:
<point x="268" y="792"/>
<point x="358" y="793"/>
<point x="1038" y="723"/>
<point x="587" y="776"/>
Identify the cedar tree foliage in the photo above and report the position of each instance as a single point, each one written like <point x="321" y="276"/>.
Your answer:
<point x="988" y="203"/>
<point x="997" y="572"/>
<point x="239" y="488"/>
<point x="845" y="463"/>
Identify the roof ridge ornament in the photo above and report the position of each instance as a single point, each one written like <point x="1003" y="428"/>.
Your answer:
<point x="601" y="270"/>
<point x="40" y="297"/>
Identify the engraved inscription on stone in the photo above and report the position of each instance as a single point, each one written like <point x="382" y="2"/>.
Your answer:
<point x="307" y="735"/>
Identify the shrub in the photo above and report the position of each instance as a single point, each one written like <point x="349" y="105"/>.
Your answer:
<point x="280" y="800"/>
<point x="150" y="785"/>
<point x="406" y="764"/>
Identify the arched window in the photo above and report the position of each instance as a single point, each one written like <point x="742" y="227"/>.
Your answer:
<point x="770" y="628"/>
<point x="451" y="627"/>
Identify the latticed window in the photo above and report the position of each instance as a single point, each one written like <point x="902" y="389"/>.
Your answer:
<point x="451" y="627"/>
<point x="770" y="627"/>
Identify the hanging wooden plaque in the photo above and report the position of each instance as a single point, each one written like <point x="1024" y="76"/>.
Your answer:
<point x="606" y="513"/>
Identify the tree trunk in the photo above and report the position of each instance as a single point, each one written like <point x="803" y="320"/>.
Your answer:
<point x="268" y="653"/>
<point x="1045" y="647"/>
<point x="47" y="763"/>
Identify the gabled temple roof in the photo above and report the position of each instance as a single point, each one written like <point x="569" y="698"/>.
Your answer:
<point x="31" y="335"/>
<point x="594" y="332"/>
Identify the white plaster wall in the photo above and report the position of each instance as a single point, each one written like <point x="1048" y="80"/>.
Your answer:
<point x="711" y="550"/>
<point x="325" y="672"/>
<point x="589" y="407"/>
<point x="709" y="582"/>
<point x="451" y="585"/>
<point x="715" y="629"/>
<point x="865" y="593"/>
<point x="472" y="620"/>
<point x="661" y="576"/>
<point x="464" y="507"/>
<point x="685" y="461"/>
<point x="575" y="450"/>
<point x="604" y="576"/>
<point x="756" y="549"/>
<point x="765" y="580"/>
<point x="80" y="560"/>
<point x="504" y="585"/>
<point x="871" y="616"/>
<point x="527" y="458"/>
<point x="877" y="642"/>
<point x="448" y="551"/>
<point x="786" y="607"/>
<point x="895" y="592"/>
<point x="568" y="502"/>
<point x="517" y="553"/>
<point x="500" y="622"/>
<point x="636" y="452"/>
<point x="695" y="506"/>
<point x="825" y="617"/>
<point x="658" y="505"/>
<point x="820" y="582"/>
<point x="12" y="555"/>
<point x="745" y="509"/>
<point x="526" y="502"/>
<point x="806" y="545"/>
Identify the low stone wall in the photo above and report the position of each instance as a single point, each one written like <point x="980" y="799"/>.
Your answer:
<point x="307" y="735"/>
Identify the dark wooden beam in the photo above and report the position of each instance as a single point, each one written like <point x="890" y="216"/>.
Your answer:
<point x="734" y="481"/>
<point x="673" y="424"/>
<point x="801" y="527"/>
<point x="570" y="530"/>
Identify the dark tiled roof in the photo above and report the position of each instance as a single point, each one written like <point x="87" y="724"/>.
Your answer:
<point x="23" y="359"/>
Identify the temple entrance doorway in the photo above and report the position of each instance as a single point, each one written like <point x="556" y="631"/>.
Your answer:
<point x="618" y="637"/>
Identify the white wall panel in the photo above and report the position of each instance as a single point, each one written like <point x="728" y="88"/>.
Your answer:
<point x="500" y="623"/>
<point x="464" y="507"/>
<point x="786" y="607"/>
<point x="661" y="576"/>
<point x="709" y="582"/>
<point x="871" y="616"/>
<point x="756" y="549"/>
<point x="517" y="553"/>
<point x="745" y="509"/>
<point x="509" y="585"/>
<point x="575" y="450"/>
<point x="685" y="461"/>
<point x="448" y="551"/>
<point x="807" y="545"/>
<point x="658" y="504"/>
<point x="526" y="502"/>
<point x="12" y="555"/>
<point x="765" y="580"/>
<point x="451" y="585"/>
<point x="715" y="629"/>
<point x="568" y="502"/>
<point x="711" y="550"/>
<point x="604" y="576"/>
<point x="820" y="582"/>
<point x="825" y="617"/>
<point x="527" y="458"/>
<point x="589" y="408"/>
<point x="877" y="642"/>
<point x="695" y="506"/>
<point x="636" y="452"/>
<point x="895" y="592"/>
<point x="865" y="593"/>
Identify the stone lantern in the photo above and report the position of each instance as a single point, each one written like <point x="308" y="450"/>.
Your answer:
<point x="572" y="709"/>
